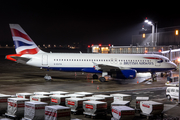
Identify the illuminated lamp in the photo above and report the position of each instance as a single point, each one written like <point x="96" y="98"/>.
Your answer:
<point x="177" y="32"/>
<point x="100" y="45"/>
<point x="178" y="59"/>
<point x="145" y="51"/>
<point x="160" y="51"/>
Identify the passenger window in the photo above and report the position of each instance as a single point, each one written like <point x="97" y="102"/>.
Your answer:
<point x="177" y="90"/>
<point x="168" y="90"/>
<point x="172" y="90"/>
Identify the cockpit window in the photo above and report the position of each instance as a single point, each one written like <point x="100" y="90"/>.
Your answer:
<point x="166" y="60"/>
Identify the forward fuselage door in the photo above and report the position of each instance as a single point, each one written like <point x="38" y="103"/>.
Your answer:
<point x="44" y="59"/>
<point x="158" y="62"/>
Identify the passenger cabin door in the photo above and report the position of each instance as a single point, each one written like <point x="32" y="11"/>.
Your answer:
<point x="44" y="59"/>
<point x="158" y="62"/>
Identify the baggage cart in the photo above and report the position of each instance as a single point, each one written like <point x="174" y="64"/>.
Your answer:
<point x="57" y="112"/>
<point x="94" y="99"/>
<point x="121" y="97"/>
<point x="34" y="110"/>
<point x="108" y="99"/>
<point x="94" y="108"/>
<point x="76" y="104"/>
<point x="123" y="113"/>
<point x="138" y="99"/>
<point x="58" y="99"/>
<point x="45" y="99"/>
<point x="75" y="95"/>
<point x="150" y="108"/>
<point x="24" y="95"/>
<point x="3" y="102"/>
<point x="86" y="94"/>
<point x="15" y="108"/>
<point x="42" y="93"/>
<point x="59" y="92"/>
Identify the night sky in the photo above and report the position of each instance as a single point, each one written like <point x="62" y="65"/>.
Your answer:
<point x="87" y="22"/>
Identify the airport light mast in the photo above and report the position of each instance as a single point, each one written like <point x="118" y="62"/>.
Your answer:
<point x="150" y="23"/>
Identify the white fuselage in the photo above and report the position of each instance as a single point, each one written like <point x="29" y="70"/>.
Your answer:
<point x="80" y="61"/>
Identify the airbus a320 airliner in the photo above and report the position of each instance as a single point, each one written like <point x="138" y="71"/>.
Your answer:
<point x="122" y="66"/>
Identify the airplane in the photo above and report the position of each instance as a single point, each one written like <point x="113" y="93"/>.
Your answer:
<point x="121" y="66"/>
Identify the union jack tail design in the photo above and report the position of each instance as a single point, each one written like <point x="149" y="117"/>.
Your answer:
<point x="23" y="43"/>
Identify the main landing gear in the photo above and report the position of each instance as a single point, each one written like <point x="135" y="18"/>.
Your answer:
<point x="101" y="79"/>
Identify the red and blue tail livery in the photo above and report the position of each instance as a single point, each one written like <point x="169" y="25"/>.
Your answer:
<point x="23" y="43"/>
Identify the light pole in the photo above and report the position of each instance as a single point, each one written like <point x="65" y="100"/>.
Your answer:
<point x="179" y="79"/>
<point x="150" y="23"/>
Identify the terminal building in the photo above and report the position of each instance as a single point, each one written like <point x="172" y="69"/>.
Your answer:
<point x="165" y="39"/>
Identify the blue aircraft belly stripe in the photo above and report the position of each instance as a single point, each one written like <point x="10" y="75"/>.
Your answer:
<point x="92" y="70"/>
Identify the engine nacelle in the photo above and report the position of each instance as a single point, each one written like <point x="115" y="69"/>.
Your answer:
<point x="125" y="74"/>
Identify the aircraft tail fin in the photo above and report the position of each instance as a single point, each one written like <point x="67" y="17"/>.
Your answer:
<point x="23" y="43"/>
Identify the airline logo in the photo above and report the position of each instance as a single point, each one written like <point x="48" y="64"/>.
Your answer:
<point x="116" y="112"/>
<point x="89" y="106"/>
<point x="71" y="103"/>
<point x="144" y="105"/>
<point x="54" y="100"/>
<point x="23" y="43"/>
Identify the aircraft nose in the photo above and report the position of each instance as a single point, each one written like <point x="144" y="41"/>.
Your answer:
<point x="173" y="65"/>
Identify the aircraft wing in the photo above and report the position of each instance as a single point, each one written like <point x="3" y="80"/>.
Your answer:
<point x="107" y="68"/>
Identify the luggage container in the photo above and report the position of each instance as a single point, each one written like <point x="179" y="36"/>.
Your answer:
<point x="121" y="97"/>
<point x="94" y="99"/>
<point x="75" y="95"/>
<point x="120" y="103"/>
<point x="58" y="99"/>
<point x="138" y="99"/>
<point x="42" y="93"/>
<point x="76" y="104"/>
<point x="45" y="99"/>
<point x="59" y="92"/>
<point x="34" y="110"/>
<point x="94" y="108"/>
<point x="123" y="113"/>
<point x="86" y="94"/>
<point x="3" y="102"/>
<point x="57" y="112"/>
<point x="15" y="107"/>
<point x="108" y="99"/>
<point x="151" y="107"/>
<point x="24" y="95"/>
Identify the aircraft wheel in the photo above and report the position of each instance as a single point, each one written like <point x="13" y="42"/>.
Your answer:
<point x="95" y="76"/>
<point x="102" y="79"/>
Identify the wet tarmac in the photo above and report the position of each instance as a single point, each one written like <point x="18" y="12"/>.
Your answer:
<point x="15" y="78"/>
